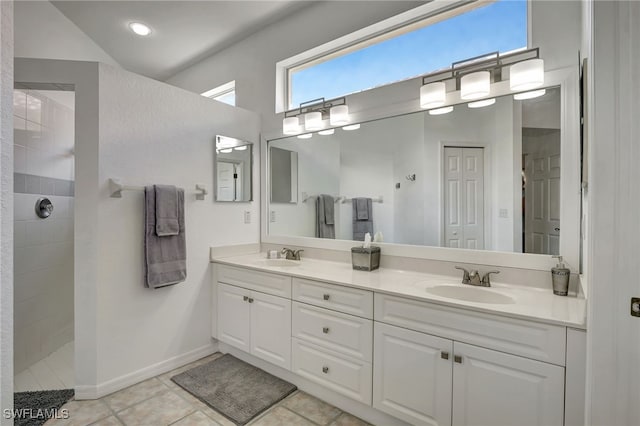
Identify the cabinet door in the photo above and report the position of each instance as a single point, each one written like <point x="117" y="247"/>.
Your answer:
<point x="233" y="316"/>
<point x="412" y="375"/>
<point x="271" y="329"/>
<point x="492" y="388"/>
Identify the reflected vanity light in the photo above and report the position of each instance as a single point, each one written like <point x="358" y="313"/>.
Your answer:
<point x="290" y="125"/>
<point x="305" y="136"/>
<point x="327" y="132"/>
<point x="440" y="111"/>
<point x="433" y="95"/>
<point x="339" y="115"/>
<point x="526" y="75"/>
<point x="241" y="148"/>
<point x="313" y="121"/>
<point x="226" y="150"/>
<point x="475" y="85"/>
<point x="482" y="103"/>
<point x="351" y="127"/>
<point x="529" y="95"/>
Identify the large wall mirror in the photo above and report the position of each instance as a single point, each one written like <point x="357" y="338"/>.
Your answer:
<point x="490" y="178"/>
<point x="232" y="171"/>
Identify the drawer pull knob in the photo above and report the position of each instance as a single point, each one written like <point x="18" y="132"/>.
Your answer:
<point x="250" y="300"/>
<point x="457" y="358"/>
<point x="245" y="298"/>
<point x="325" y="297"/>
<point x="444" y="355"/>
<point x="325" y="369"/>
<point x="325" y="330"/>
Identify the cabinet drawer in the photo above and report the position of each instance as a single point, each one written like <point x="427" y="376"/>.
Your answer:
<point x="344" y="299"/>
<point x="278" y="285"/>
<point x="544" y="342"/>
<point x="344" y="375"/>
<point x="348" y="334"/>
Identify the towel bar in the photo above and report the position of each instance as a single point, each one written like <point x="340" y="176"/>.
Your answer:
<point x="380" y="200"/>
<point x="116" y="187"/>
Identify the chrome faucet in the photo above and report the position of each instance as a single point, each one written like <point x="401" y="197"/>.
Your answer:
<point x="473" y="277"/>
<point x="291" y="254"/>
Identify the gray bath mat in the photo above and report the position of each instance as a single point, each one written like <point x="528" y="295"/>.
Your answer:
<point x="234" y="388"/>
<point x="35" y="408"/>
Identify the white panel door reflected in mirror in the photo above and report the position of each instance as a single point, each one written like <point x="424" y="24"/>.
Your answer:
<point x="476" y="178"/>
<point x="233" y="164"/>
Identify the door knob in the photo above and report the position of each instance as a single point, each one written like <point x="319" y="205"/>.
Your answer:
<point x="245" y="298"/>
<point x="556" y="229"/>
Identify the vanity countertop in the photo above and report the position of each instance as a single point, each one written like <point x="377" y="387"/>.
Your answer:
<point x="529" y="303"/>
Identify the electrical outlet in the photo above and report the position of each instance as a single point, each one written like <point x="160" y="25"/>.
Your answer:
<point x="272" y="216"/>
<point x="247" y="216"/>
<point x="504" y="213"/>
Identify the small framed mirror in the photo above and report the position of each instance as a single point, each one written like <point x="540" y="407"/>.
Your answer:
<point x="283" y="179"/>
<point x="233" y="164"/>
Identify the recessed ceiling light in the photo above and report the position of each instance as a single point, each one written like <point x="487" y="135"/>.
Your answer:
<point x="140" y="28"/>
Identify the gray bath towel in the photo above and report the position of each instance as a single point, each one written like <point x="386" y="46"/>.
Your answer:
<point x="324" y="229"/>
<point x="362" y="207"/>
<point x="328" y="209"/>
<point x="166" y="210"/>
<point x="165" y="257"/>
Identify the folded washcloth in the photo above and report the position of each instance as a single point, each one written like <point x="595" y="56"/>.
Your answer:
<point x="328" y="209"/>
<point x="165" y="257"/>
<point x="362" y="206"/>
<point x="166" y="210"/>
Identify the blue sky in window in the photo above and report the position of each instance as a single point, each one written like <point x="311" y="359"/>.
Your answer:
<point x="499" y="26"/>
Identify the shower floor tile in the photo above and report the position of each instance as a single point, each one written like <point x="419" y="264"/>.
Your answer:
<point x="53" y="372"/>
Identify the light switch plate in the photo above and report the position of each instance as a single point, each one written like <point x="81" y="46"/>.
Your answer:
<point x="272" y="216"/>
<point x="247" y="216"/>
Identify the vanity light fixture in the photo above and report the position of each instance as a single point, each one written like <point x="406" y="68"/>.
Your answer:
<point x="140" y="28"/>
<point x="482" y="103"/>
<point x="351" y="127"/>
<point x="241" y="148"/>
<point x="226" y="150"/>
<point x="327" y="132"/>
<point x="473" y="77"/>
<point x="305" y="136"/>
<point x="314" y="113"/>
<point x="440" y="111"/>
<point x="433" y="95"/>
<point x="529" y="95"/>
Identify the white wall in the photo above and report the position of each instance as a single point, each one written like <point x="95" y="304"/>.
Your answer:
<point x="6" y="208"/>
<point x="43" y="257"/>
<point x="42" y="31"/>
<point x="151" y="132"/>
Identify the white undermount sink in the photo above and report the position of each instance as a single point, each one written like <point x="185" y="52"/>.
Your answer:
<point x="470" y="294"/>
<point x="278" y="262"/>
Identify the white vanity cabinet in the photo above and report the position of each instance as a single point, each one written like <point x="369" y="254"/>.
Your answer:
<point x="429" y="380"/>
<point x="254" y="321"/>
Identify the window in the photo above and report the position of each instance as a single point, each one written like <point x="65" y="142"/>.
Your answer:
<point x="225" y="93"/>
<point x="409" y="50"/>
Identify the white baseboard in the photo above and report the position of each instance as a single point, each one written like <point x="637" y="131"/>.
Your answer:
<point x="118" y="383"/>
<point x="358" y="409"/>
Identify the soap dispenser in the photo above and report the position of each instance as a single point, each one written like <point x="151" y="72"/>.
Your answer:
<point x="560" y="278"/>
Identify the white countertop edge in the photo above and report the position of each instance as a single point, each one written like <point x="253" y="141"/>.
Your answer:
<point x="243" y="261"/>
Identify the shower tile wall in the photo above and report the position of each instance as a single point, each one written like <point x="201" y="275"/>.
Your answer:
<point x="44" y="167"/>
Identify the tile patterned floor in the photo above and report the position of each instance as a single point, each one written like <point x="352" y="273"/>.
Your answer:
<point x="159" y="402"/>
<point x="52" y="372"/>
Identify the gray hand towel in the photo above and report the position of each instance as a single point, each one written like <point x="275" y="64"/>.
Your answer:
<point x="323" y="230"/>
<point x="165" y="257"/>
<point x="360" y="226"/>
<point x="362" y="207"/>
<point x="166" y="210"/>
<point x="328" y="209"/>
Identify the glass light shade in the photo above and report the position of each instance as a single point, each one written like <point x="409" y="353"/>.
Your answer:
<point x="482" y="103"/>
<point x="339" y="115"/>
<point x="526" y="75"/>
<point x="433" y="95"/>
<point x="305" y="136"/>
<point x="475" y="85"/>
<point x="291" y="125"/>
<point x="313" y="121"/>
<point x="327" y="132"/>
<point x="351" y="127"/>
<point x="441" y="111"/>
<point x="529" y="95"/>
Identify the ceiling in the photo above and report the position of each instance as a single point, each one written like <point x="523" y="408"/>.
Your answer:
<point x="183" y="32"/>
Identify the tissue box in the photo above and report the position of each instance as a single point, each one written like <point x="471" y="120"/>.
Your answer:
<point x="365" y="259"/>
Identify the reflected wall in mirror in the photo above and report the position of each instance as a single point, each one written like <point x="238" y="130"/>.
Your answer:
<point x="232" y="171"/>
<point x="283" y="177"/>
<point x="478" y="178"/>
